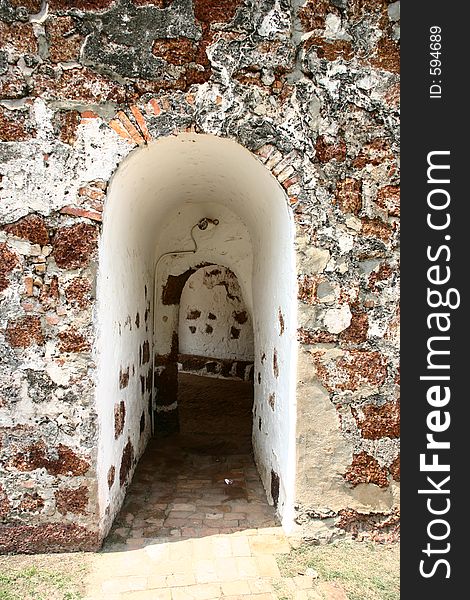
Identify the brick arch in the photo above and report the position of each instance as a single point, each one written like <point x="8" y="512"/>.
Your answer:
<point x="133" y="127"/>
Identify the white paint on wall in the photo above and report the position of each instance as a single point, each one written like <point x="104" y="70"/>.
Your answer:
<point x="213" y="318"/>
<point x="158" y="193"/>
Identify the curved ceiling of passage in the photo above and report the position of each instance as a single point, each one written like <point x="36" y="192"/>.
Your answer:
<point x="194" y="168"/>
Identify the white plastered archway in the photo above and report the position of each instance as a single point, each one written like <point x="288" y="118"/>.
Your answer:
<point x="154" y="198"/>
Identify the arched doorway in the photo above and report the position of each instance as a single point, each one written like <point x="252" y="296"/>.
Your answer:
<point x="215" y="359"/>
<point x="151" y="245"/>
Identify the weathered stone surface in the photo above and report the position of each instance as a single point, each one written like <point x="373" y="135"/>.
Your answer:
<point x="56" y="461"/>
<point x="73" y="501"/>
<point x="8" y="261"/>
<point x="312" y="89"/>
<point x="31" y="228"/>
<point x="74" y="246"/>
<point x="52" y="537"/>
<point x="24" y="331"/>
<point x="366" y="469"/>
<point x="15" y="126"/>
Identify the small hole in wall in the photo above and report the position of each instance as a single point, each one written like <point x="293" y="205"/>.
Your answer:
<point x="209" y="328"/>
<point x="192" y="329"/>
<point x="211" y="316"/>
<point x="275" y="484"/>
<point x="259" y="377"/>
<point x="193" y="314"/>
<point x="259" y="423"/>
<point x="234" y="333"/>
<point x="275" y="365"/>
<point x="272" y="400"/>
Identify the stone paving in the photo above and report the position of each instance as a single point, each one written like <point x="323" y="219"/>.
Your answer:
<point x="195" y="525"/>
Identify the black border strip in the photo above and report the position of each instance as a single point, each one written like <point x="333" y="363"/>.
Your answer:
<point x="431" y="123"/>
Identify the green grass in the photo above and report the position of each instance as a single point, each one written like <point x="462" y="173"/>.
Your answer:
<point x="365" y="571"/>
<point x="44" y="577"/>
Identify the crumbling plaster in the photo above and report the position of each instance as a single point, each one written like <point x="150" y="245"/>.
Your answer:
<point x="312" y="90"/>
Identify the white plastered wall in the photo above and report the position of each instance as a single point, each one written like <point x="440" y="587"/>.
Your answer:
<point x="213" y="318"/>
<point x="154" y="198"/>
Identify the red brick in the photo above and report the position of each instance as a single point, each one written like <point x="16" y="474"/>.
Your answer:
<point x="8" y="261"/>
<point x="386" y="56"/>
<point x="13" y="86"/>
<point x="72" y="341"/>
<point x="61" y="461"/>
<point x="111" y="476"/>
<point x="312" y="15"/>
<point x="379" y="421"/>
<point x="329" y="49"/>
<point x="15" y="126"/>
<point x="215" y="11"/>
<point x="395" y="469"/>
<point x="119" y="418"/>
<point x="388" y="198"/>
<point x="326" y="152"/>
<point x="74" y="246"/>
<point x="376" y="228"/>
<point x="349" y="195"/>
<point x="79" y="84"/>
<point x="5" y="505"/>
<point x="73" y="501"/>
<point x="32" y="6"/>
<point x="126" y="462"/>
<point x="307" y="286"/>
<point x="31" y="503"/>
<point x="85" y="5"/>
<point x="24" y="331"/>
<point x="374" y="153"/>
<point x="78" y="292"/>
<point x="177" y="51"/>
<point x="354" y="369"/>
<point x="74" y="211"/>
<point x="64" y="41"/>
<point x="356" y="333"/>
<point x="366" y="469"/>
<point x="31" y="228"/>
<point x="19" y="36"/>
<point x="68" y="123"/>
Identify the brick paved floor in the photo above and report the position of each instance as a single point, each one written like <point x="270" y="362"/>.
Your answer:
<point x="195" y="523"/>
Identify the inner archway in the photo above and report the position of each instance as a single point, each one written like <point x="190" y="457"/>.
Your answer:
<point x="215" y="359"/>
<point x="149" y="250"/>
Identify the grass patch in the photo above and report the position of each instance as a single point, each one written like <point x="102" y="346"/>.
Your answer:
<point x="366" y="571"/>
<point x="43" y="577"/>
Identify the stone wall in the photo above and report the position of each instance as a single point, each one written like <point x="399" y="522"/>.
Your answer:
<point x="311" y="89"/>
